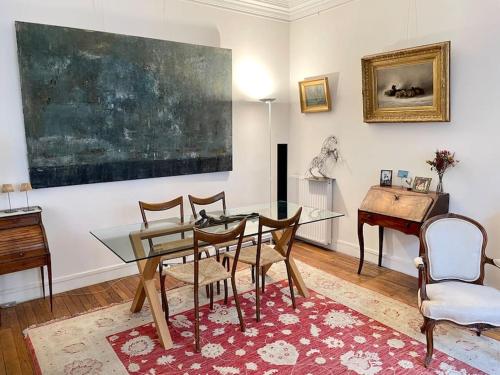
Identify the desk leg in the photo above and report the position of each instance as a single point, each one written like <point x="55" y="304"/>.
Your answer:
<point x="380" y="244"/>
<point x="294" y="271"/>
<point x="361" y="246"/>
<point x="147" y="289"/>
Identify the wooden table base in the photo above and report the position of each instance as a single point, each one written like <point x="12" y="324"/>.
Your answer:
<point x="147" y="289"/>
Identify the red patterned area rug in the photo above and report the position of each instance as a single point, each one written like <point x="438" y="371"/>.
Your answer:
<point x="341" y="328"/>
<point x="320" y="337"/>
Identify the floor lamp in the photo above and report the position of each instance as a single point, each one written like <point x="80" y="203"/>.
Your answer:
<point x="269" y="102"/>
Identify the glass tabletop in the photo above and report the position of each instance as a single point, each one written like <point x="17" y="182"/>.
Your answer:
<point x="155" y="243"/>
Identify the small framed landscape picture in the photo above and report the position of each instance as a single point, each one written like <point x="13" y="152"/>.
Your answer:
<point x="422" y="184"/>
<point x="386" y="177"/>
<point x="314" y="95"/>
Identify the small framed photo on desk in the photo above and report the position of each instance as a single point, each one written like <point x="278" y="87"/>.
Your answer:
<point x="386" y="177"/>
<point x="422" y="184"/>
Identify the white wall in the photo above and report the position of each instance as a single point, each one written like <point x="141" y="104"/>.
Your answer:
<point x="334" y="42"/>
<point x="70" y="212"/>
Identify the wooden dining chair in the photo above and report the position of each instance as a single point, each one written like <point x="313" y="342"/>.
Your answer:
<point x="208" y="271"/>
<point x="263" y="256"/>
<point x="220" y="197"/>
<point x="164" y="206"/>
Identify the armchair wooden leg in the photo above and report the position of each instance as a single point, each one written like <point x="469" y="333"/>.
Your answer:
<point x="196" y="320"/>
<point x="237" y="303"/>
<point x="290" y="283"/>
<point x="429" y="331"/>
<point x="257" y="294"/>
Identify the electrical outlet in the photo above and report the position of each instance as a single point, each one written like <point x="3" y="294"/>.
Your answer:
<point x="8" y="304"/>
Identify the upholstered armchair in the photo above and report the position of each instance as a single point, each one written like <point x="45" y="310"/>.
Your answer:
<point x="452" y="273"/>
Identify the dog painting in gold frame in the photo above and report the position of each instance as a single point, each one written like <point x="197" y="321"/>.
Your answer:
<point x="409" y="85"/>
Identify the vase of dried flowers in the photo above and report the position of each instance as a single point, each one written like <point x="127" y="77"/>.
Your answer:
<point x="443" y="160"/>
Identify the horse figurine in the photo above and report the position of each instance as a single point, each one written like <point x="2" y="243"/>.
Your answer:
<point x="328" y="149"/>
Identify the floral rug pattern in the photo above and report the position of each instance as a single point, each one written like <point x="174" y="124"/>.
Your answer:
<point x="341" y="328"/>
<point x="319" y="337"/>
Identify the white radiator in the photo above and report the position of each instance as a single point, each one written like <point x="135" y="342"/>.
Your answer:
<point x="317" y="194"/>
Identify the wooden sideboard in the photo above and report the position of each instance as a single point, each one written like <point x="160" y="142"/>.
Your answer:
<point x="399" y="209"/>
<point x="23" y="244"/>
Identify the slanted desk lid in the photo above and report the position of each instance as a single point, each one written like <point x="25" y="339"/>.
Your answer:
<point x="399" y="203"/>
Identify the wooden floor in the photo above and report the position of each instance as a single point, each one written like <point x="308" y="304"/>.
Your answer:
<point x="15" y="359"/>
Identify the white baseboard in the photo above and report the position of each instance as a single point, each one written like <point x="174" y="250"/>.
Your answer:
<point x="68" y="282"/>
<point x="371" y="255"/>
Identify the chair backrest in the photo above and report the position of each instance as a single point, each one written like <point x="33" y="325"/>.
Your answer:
<point x="217" y="238"/>
<point x="288" y="226"/>
<point x="163" y="206"/>
<point x="196" y="201"/>
<point x="454" y="248"/>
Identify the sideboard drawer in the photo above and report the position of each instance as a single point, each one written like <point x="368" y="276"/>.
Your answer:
<point x="397" y="203"/>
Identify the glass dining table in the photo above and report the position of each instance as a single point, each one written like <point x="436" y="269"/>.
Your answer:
<point x="146" y="244"/>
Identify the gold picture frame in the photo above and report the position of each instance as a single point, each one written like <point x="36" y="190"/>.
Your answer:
<point x="409" y="85"/>
<point x="315" y="95"/>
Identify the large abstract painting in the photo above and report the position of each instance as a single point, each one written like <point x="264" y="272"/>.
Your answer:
<point x="105" y="107"/>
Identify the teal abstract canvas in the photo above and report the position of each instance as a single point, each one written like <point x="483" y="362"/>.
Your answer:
<point x="104" y="107"/>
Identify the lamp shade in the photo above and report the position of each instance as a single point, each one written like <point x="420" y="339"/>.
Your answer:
<point x="25" y="186"/>
<point x="7" y="188"/>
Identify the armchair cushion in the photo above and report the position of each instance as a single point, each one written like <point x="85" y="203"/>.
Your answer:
<point x="462" y="303"/>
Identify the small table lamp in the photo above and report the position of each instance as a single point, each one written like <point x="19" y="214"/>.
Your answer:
<point x="8" y="188"/>
<point x="26" y="186"/>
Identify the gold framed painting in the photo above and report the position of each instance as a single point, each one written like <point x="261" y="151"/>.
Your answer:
<point x="315" y="95"/>
<point x="409" y="85"/>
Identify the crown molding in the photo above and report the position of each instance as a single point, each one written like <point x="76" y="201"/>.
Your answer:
<point x="279" y="10"/>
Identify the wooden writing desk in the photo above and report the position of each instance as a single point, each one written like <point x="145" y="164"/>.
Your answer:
<point x="23" y="244"/>
<point x="399" y="209"/>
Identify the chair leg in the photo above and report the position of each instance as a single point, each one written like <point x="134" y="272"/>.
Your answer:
<point x="257" y="295"/>
<point x="237" y="303"/>
<point x="211" y="296"/>
<point x="196" y="320"/>
<point x="217" y="257"/>
<point x="263" y="273"/>
<point x="253" y="274"/>
<point x="423" y="326"/>
<point x="43" y="281"/>
<point x="429" y="330"/>
<point x="183" y="260"/>
<point x="225" y="262"/>
<point x="290" y="283"/>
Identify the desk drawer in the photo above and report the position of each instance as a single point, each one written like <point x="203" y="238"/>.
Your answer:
<point x="23" y="264"/>
<point x="20" y="221"/>
<point x="402" y="225"/>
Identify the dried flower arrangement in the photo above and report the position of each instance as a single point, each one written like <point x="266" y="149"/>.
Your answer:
<point x="443" y="160"/>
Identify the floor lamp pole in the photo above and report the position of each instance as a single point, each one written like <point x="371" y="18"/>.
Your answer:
<point x="269" y="102"/>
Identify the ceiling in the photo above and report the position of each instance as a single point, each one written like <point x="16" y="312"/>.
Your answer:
<point x="282" y="10"/>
